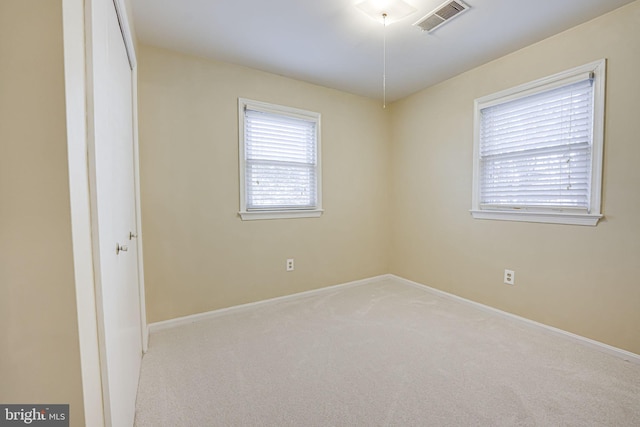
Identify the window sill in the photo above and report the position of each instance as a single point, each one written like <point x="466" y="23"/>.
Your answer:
<point x="544" y="217"/>
<point x="288" y="214"/>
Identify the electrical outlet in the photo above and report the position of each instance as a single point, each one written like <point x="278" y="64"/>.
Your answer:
<point x="510" y="277"/>
<point x="290" y="266"/>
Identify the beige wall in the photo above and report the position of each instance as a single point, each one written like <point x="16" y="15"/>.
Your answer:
<point x="584" y="280"/>
<point x="39" y="355"/>
<point x="199" y="255"/>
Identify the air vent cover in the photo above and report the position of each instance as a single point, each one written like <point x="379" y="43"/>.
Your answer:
<point x="441" y="14"/>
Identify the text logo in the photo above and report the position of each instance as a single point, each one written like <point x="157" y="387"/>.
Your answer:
<point x="34" y="415"/>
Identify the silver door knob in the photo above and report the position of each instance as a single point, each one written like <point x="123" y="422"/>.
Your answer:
<point x="121" y="248"/>
<point x="132" y="235"/>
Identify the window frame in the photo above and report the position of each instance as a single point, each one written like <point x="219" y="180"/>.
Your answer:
<point x="277" y="213"/>
<point x="548" y="215"/>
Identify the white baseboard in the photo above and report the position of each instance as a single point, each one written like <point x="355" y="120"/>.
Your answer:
<point x="179" y="321"/>
<point x="597" y="345"/>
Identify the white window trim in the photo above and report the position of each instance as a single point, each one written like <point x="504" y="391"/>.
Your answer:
<point x="261" y="214"/>
<point x="555" y="216"/>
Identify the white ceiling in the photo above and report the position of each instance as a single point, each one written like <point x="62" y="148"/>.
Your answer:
<point x="332" y="43"/>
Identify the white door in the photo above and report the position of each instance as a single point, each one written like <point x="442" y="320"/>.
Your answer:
<point x="114" y="214"/>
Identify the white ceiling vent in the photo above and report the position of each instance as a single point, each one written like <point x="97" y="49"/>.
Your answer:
<point x="441" y="14"/>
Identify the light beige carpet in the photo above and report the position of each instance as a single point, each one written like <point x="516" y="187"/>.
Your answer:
<point x="380" y="354"/>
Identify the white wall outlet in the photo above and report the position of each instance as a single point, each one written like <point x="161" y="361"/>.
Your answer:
<point x="290" y="266"/>
<point x="510" y="277"/>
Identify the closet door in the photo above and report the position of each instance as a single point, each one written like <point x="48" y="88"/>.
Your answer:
<point x="114" y="213"/>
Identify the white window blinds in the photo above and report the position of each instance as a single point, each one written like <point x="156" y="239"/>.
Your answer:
<point x="281" y="160"/>
<point x="536" y="151"/>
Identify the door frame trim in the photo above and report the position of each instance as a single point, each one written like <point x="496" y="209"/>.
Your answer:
<point x="80" y="200"/>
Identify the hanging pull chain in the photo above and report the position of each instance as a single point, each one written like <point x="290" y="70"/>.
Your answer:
<point x="384" y="60"/>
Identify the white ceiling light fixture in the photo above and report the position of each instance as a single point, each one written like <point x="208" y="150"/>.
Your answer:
<point x="386" y="12"/>
<point x="394" y="10"/>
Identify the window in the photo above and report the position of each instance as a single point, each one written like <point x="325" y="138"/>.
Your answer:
<point x="538" y="150"/>
<point x="280" y="174"/>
